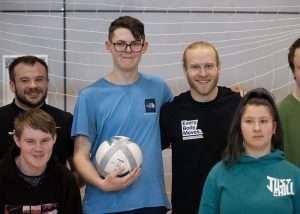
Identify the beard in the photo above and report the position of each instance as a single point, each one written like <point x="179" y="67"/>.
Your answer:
<point x="31" y="103"/>
<point x="207" y="89"/>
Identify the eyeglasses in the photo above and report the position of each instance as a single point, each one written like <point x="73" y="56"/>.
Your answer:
<point x="122" y="46"/>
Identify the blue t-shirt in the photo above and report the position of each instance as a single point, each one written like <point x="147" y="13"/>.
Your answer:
<point x="104" y="110"/>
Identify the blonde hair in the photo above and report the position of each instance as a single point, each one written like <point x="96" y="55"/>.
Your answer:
<point x="199" y="45"/>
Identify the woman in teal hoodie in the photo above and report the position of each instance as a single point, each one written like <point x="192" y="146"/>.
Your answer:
<point x="253" y="176"/>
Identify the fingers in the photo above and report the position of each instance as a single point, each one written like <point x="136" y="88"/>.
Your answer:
<point x="118" y="171"/>
<point x="132" y="176"/>
<point x="238" y="89"/>
<point x="114" y="183"/>
<point x="242" y="93"/>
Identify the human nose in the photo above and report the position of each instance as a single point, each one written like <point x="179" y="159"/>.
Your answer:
<point x="128" y="48"/>
<point x="256" y="126"/>
<point x="32" y="84"/>
<point x="202" y="71"/>
<point x="37" y="146"/>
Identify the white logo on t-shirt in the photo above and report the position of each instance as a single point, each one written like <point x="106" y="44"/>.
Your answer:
<point x="189" y="130"/>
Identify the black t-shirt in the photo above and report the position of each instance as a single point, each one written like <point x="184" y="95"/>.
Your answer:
<point x="64" y="145"/>
<point x="197" y="133"/>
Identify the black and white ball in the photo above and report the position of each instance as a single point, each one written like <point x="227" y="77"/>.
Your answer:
<point x="118" y="151"/>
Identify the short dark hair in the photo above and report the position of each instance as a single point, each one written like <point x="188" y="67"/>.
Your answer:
<point x="28" y="60"/>
<point x="36" y="119"/>
<point x="234" y="148"/>
<point x="291" y="53"/>
<point x="135" y="26"/>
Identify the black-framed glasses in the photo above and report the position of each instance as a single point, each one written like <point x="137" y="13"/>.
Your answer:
<point x="122" y="46"/>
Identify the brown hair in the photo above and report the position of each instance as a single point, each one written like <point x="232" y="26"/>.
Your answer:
<point x="257" y="97"/>
<point x="135" y="26"/>
<point x="28" y="60"/>
<point x="291" y="54"/>
<point x="36" y="119"/>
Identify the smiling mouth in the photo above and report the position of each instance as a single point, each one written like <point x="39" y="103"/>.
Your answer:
<point x="38" y="156"/>
<point x="202" y="81"/>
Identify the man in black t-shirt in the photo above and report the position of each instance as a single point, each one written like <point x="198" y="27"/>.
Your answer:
<point x="29" y="82"/>
<point x="195" y="124"/>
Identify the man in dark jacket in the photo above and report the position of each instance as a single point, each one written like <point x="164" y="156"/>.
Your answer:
<point x="29" y="82"/>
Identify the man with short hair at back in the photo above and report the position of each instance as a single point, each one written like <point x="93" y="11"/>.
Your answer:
<point x="29" y="81"/>
<point x="125" y="102"/>
<point x="195" y="124"/>
<point x="289" y="109"/>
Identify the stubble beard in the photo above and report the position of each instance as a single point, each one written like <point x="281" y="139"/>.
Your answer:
<point x="203" y="91"/>
<point x="26" y="102"/>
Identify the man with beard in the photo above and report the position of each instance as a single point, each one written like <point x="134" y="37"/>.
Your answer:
<point x="195" y="124"/>
<point x="29" y="82"/>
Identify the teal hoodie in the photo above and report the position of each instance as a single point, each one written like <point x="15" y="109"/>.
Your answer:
<point x="268" y="184"/>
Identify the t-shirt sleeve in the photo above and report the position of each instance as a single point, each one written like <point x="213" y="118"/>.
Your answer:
<point x="167" y="94"/>
<point x="84" y="118"/>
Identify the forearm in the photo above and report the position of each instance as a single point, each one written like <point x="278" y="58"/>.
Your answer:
<point x="80" y="182"/>
<point x="87" y="171"/>
<point x="82" y="163"/>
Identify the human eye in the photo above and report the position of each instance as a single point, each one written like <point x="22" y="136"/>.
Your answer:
<point x="45" y="141"/>
<point x="24" y="80"/>
<point x="195" y="67"/>
<point x="136" y="44"/>
<point x="248" y="121"/>
<point x="120" y="44"/>
<point x="264" y="121"/>
<point x="40" y="79"/>
<point x="30" y="141"/>
<point x="209" y="66"/>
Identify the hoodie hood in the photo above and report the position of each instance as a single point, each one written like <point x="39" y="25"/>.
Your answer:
<point x="274" y="156"/>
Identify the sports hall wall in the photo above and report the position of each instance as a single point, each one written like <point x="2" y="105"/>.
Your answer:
<point x="252" y="38"/>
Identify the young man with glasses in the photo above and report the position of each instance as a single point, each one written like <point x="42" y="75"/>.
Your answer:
<point x="124" y="102"/>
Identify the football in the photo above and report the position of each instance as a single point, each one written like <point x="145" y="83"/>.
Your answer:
<point x="118" y="151"/>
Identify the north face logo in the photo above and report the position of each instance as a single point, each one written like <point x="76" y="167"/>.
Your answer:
<point x="150" y="105"/>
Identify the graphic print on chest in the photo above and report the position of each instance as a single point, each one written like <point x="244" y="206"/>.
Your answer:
<point x="150" y="106"/>
<point x="280" y="187"/>
<point x="190" y="131"/>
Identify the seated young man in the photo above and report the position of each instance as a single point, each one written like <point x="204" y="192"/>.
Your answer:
<point x="31" y="179"/>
